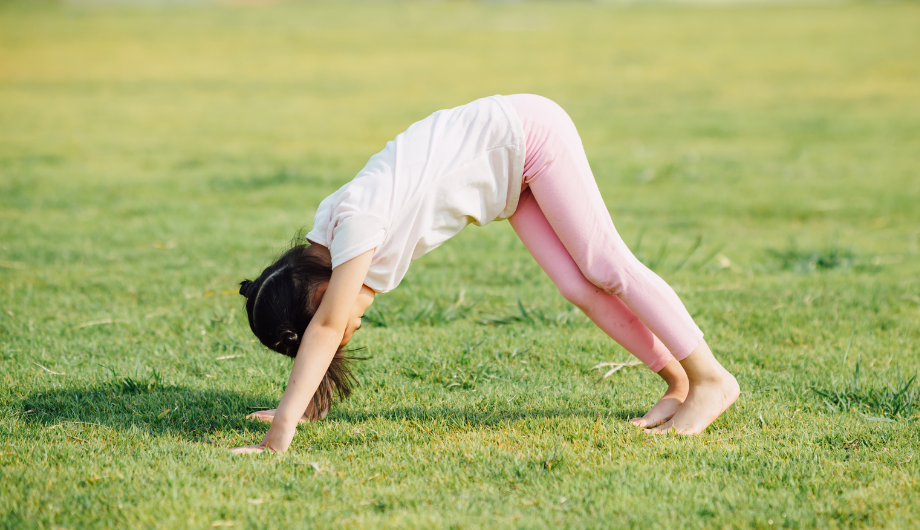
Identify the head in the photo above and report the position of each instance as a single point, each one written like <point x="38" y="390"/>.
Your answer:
<point x="280" y="304"/>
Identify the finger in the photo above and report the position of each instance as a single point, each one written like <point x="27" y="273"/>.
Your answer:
<point x="247" y="450"/>
<point x="261" y="415"/>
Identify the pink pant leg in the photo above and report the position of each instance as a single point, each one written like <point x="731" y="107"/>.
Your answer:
<point x="560" y="178"/>
<point x="607" y="311"/>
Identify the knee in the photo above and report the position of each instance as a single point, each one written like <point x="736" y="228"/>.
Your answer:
<point x="578" y="291"/>
<point x="609" y="276"/>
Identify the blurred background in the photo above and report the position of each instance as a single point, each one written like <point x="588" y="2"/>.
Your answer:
<point x="745" y="118"/>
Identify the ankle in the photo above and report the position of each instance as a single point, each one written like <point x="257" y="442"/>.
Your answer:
<point x="675" y="377"/>
<point x="716" y="377"/>
<point x="702" y="367"/>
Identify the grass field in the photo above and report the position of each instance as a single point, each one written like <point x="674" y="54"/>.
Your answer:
<point x="763" y="159"/>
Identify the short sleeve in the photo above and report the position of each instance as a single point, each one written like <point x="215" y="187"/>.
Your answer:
<point x="353" y="220"/>
<point x="318" y="234"/>
<point x="353" y="234"/>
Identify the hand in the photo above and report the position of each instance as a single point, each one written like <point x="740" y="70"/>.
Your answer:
<point x="277" y="439"/>
<point x="248" y="449"/>
<point x="269" y="415"/>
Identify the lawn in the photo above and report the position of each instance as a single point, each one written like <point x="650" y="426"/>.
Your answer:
<point x="762" y="158"/>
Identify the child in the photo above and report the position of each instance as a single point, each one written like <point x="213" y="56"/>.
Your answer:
<point x="502" y="157"/>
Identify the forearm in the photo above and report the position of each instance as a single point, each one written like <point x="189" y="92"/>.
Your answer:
<point x="317" y="350"/>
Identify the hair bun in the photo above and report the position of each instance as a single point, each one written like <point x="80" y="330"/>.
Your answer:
<point x="245" y="287"/>
<point x="289" y="337"/>
<point x="288" y="342"/>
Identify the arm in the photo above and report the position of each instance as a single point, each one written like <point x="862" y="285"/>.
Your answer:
<point x="320" y="341"/>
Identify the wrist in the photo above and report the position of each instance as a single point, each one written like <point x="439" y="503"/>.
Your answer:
<point x="275" y="444"/>
<point x="287" y="420"/>
<point x="280" y="426"/>
<point x="276" y="440"/>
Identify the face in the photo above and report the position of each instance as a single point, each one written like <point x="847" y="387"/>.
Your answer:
<point x="364" y="301"/>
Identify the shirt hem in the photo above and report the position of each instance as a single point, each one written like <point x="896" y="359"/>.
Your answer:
<point x="516" y="177"/>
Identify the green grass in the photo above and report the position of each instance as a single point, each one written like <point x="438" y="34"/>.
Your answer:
<point x="763" y="159"/>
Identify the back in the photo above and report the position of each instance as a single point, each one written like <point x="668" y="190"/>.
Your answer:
<point x="457" y="166"/>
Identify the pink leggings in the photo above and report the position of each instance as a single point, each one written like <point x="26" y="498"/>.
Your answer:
<point x="564" y="223"/>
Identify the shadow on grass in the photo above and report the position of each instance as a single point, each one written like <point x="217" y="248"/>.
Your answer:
<point x="168" y="410"/>
<point x="194" y="413"/>
<point x="479" y="418"/>
<point x="421" y="425"/>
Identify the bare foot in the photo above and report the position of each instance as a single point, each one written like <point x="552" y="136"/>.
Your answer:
<point x="269" y="415"/>
<point x="705" y="402"/>
<point x="712" y="391"/>
<point x="666" y="407"/>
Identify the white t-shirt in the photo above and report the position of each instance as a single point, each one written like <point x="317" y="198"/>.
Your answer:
<point x="458" y="166"/>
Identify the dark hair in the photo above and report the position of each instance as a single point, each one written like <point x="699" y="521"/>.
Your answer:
<point x="280" y="304"/>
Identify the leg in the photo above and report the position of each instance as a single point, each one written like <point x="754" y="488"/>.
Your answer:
<point x="558" y="173"/>
<point x="607" y="311"/>
<point x="560" y="178"/>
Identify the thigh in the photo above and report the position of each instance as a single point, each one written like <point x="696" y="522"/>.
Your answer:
<point x="562" y="185"/>
<point x="569" y="198"/>
<point x="560" y="178"/>
<point x="607" y="311"/>
<point x="532" y="227"/>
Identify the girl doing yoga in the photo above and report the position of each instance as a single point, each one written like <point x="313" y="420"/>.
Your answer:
<point x="502" y="157"/>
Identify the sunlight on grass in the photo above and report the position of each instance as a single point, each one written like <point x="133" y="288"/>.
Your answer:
<point x="760" y="158"/>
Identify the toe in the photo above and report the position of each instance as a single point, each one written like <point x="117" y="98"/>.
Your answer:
<point x="663" y="428"/>
<point x="656" y="420"/>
